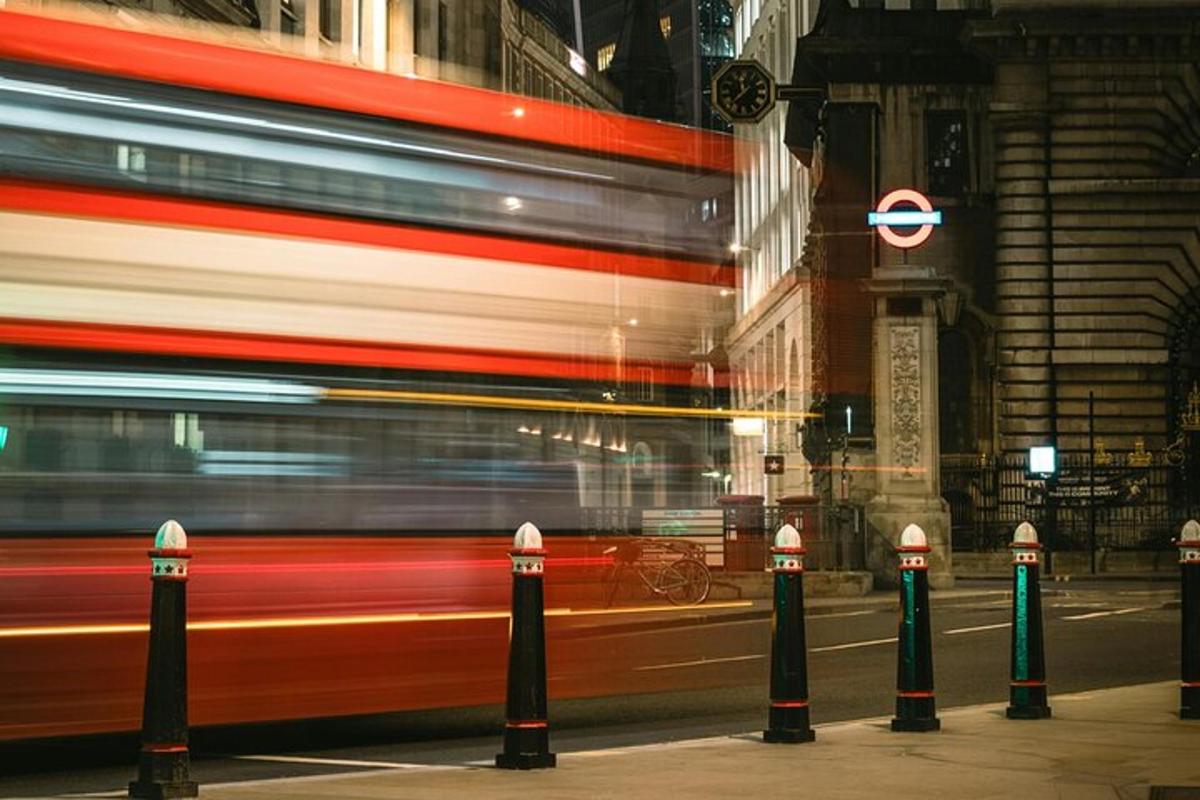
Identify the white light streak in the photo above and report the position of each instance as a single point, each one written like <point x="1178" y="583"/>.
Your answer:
<point x="116" y="101"/>
<point x="152" y="386"/>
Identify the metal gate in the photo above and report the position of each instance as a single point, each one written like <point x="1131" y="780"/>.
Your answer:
<point x="1131" y="501"/>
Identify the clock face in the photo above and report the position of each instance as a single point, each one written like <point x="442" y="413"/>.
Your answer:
<point x="743" y="91"/>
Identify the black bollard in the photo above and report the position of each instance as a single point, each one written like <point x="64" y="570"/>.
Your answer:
<point x="1189" y="580"/>
<point x="787" y="719"/>
<point x="915" y="707"/>
<point x="1027" y="689"/>
<point x="163" y="761"/>
<point x="526" y="734"/>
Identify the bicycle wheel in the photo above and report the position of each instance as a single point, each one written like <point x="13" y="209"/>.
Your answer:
<point x="691" y="587"/>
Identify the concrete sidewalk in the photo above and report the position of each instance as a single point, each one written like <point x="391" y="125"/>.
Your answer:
<point x="1111" y="743"/>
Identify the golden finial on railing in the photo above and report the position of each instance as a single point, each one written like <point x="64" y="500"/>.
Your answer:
<point x="1190" y="419"/>
<point x="1139" y="457"/>
<point x="1101" y="458"/>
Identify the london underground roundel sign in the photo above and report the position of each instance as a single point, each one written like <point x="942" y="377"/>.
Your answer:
<point x="922" y="217"/>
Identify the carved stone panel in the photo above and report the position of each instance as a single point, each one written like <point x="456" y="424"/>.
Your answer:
<point x="905" y="360"/>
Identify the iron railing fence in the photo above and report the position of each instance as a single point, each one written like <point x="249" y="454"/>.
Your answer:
<point x="1130" y="505"/>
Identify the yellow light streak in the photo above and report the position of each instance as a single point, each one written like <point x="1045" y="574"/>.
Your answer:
<point x="540" y="404"/>
<point x="355" y="619"/>
<point x="70" y="630"/>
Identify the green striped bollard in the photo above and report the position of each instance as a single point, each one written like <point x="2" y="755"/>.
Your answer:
<point x="787" y="720"/>
<point x="916" y="710"/>
<point x="163" y="764"/>
<point x="1027" y="688"/>
<point x="527" y="733"/>
<point x="1189" y="604"/>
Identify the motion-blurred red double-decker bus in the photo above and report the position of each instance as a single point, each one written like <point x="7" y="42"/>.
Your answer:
<point x="349" y="328"/>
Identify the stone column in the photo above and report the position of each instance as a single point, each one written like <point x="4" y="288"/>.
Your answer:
<point x="905" y="357"/>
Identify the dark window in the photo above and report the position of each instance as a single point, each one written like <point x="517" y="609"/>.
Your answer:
<point x="946" y="152"/>
<point x="288" y="23"/>
<point x="904" y="306"/>
<point x="924" y="5"/>
<point x="443" y="40"/>
<point x="492" y="38"/>
<point x="331" y="21"/>
<point x="956" y="411"/>
<point x="423" y="41"/>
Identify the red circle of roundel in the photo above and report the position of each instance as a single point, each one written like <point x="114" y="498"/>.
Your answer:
<point x="918" y="236"/>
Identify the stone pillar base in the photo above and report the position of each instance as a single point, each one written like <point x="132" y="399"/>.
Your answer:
<point x="887" y="516"/>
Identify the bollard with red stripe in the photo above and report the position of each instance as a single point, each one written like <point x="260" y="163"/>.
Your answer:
<point x="1027" y="689"/>
<point x="787" y="720"/>
<point x="1189" y="580"/>
<point x="163" y="766"/>
<point x="527" y="734"/>
<point x="916" y="710"/>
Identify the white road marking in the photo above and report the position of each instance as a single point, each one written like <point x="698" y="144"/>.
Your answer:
<point x="852" y="645"/>
<point x="1096" y="614"/>
<point x="847" y="614"/>
<point x="333" y="776"/>
<point x="698" y="663"/>
<point x="997" y="626"/>
<point x="808" y="617"/>
<point x="1167" y="592"/>
<point x="333" y="762"/>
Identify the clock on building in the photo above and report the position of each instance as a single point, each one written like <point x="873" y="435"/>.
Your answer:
<point x="743" y="91"/>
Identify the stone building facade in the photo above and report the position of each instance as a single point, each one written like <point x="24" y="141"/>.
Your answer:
<point x="1095" y="119"/>
<point x="493" y="44"/>
<point x="770" y="342"/>
<point x="1059" y="139"/>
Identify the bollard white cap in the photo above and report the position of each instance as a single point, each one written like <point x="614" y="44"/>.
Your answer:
<point x="170" y="536"/>
<point x="1189" y="543"/>
<point x="169" y="558"/>
<point x="913" y="536"/>
<point x="528" y="537"/>
<point x="788" y="536"/>
<point x="1025" y="534"/>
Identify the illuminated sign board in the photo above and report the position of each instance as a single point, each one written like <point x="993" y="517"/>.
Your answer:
<point x="922" y="217"/>
<point x="1042" y="460"/>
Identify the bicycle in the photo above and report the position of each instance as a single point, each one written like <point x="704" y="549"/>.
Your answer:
<point x="673" y="569"/>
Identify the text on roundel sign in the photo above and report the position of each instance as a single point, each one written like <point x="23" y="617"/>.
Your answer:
<point x="923" y="219"/>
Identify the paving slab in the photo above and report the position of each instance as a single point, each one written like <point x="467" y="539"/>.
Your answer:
<point x="1109" y="743"/>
